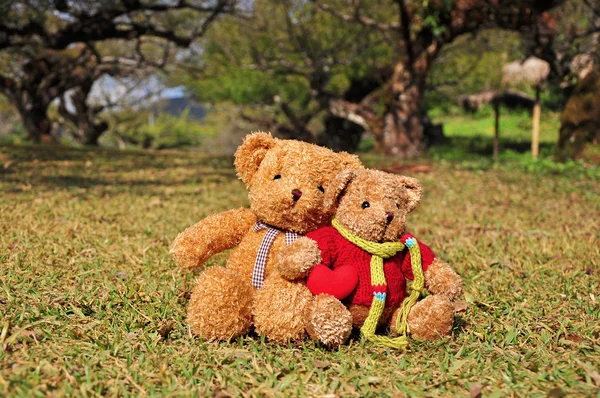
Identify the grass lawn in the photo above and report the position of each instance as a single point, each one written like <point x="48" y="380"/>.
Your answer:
<point x="88" y="293"/>
<point x="471" y="136"/>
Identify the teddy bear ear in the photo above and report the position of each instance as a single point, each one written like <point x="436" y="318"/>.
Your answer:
<point x="337" y="186"/>
<point x="412" y="189"/>
<point x="349" y="161"/>
<point x="251" y="153"/>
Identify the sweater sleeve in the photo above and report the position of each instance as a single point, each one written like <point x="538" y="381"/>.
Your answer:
<point x="325" y="238"/>
<point x="427" y="258"/>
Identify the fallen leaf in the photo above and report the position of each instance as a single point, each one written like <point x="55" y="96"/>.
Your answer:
<point x="218" y="392"/>
<point x="185" y="294"/>
<point x="575" y="338"/>
<point x="476" y="389"/>
<point x="154" y="202"/>
<point x="165" y="329"/>
<point x="595" y="376"/>
<point x="241" y="354"/>
<point x="4" y="332"/>
<point x="59" y="302"/>
<point x="7" y="164"/>
<point x="321" y="364"/>
<point x="461" y="306"/>
<point x="556" y="392"/>
<point x="121" y="275"/>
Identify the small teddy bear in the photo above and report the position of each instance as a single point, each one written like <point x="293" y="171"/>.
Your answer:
<point x="364" y="259"/>
<point x="285" y="180"/>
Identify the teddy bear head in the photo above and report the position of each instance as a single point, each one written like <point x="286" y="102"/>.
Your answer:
<point x="286" y="180"/>
<point x="373" y="204"/>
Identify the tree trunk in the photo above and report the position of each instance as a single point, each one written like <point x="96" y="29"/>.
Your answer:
<point x="87" y="128"/>
<point x="402" y="132"/>
<point x="340" y="134"/>
<point x="36" y="122"/>
<point x="580" y="120"/>
<point x="496" y="103"/>
<point x="92" y="135"/>
<point x="535" y="129"/>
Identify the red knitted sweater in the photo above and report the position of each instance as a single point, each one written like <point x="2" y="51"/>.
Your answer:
<point x="336" y="251"/>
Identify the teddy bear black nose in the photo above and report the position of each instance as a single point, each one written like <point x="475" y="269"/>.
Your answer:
<point x="389" y="216"/>
<point x="296" y="194"/>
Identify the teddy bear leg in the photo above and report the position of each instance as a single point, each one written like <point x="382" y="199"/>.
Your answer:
<point x="278" y="309"/>
<point x="328" y="321"/>
<point x="361" y="312"/>
<point x="220" y="306"/>
<point x="430" y="319"/>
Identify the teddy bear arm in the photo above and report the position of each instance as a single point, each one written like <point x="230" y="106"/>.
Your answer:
<point x="222" y="231"/>
<point x="296" y="260"/>
<point x="441" y="279"/>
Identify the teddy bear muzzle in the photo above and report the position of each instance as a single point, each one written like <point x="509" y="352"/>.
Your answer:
<point x="389" y="216"/>
<point x="296" y="194"/>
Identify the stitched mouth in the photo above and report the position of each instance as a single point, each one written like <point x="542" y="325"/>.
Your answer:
<point x="386" y="229"/>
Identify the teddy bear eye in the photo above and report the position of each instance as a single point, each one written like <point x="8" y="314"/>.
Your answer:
<point x="320" y="188"/>
<point x="365" y="205"/>
<point x="277" y="177"/>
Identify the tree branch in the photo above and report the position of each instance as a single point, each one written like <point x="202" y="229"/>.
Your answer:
<point x="107" y="23"/>
<point x="7" y="85"/>
<point x="366" y="21"/>
<point x="594" y="8"/>
<point x="405" y="30"/>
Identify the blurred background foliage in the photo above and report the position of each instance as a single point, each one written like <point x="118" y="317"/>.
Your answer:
<point x="323" y="72"/>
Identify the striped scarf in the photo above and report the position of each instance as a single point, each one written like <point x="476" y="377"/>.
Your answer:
<point x="380" y="251"/>
<point x="258" y="272"/>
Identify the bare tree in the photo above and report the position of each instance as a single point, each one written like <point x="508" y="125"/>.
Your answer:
<point x="422" y="30"/>
<point x="284" y="62"/>
<point x="50" y="47"/>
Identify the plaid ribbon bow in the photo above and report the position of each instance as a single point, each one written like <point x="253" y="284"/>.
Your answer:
<point x="258" y="273"/>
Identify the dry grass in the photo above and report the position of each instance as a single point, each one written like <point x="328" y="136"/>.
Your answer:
<point x="88" y="294"/>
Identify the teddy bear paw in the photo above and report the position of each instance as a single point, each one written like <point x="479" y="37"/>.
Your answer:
<point x="328" y="321"/>
<point x="431" y="318"/>
<point x="296" y="260"/>
<point x="442" y="280"/>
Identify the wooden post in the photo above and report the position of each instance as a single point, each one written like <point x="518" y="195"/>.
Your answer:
<point x="496" y="129"/>
<point x="535" y="134"/>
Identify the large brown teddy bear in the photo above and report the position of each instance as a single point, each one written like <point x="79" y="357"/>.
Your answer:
<point x="369" y="222"/>
<point x="285" y="179"/>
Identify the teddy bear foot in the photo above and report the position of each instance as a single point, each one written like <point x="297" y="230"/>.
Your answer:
<point x="220" y="306"/>
<point x="431" y="318"/>
<point x="278" y="308"/>
<point x="328" y="321"/>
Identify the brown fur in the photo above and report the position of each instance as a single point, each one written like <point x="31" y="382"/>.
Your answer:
<point x="360" y="313"/>
<point x="441" y="279"/>
<point x="328" y="321"/>
<point x="194" y="246"/>
<point x="430" y="319"/>
<point x="214" y="281"/>
<point x="296" y="261"/>
<point x="221" y="301"/>
<point x="386" y="193"/>
<point x="287" y="325"/>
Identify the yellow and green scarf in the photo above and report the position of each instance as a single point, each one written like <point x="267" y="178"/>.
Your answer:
<point x="380" y="251"/>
